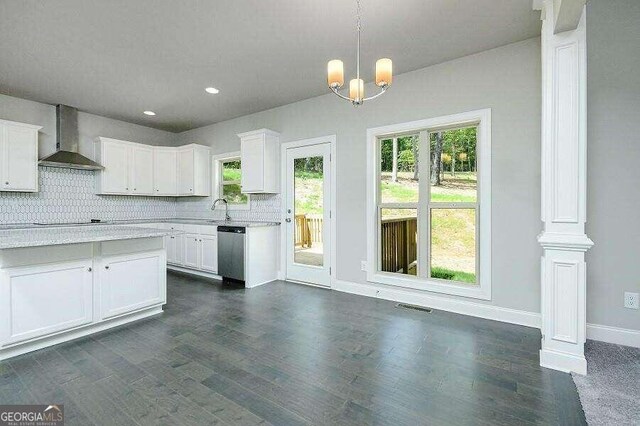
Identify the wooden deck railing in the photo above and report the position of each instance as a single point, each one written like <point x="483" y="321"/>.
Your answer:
<point x="308" y="230"/>
<point x="399" y="239"/>
<point x="399" y="244"/>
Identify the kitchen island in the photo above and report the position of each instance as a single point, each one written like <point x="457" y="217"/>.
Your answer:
<point x="60" y="283"/>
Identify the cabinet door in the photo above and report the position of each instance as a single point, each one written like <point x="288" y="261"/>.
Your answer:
<point x="165" y="172"/>
<point x="40" y="300"/>
<point x="209" y="253"/>
<point x="20" y="168"/>
<point x="185" y="172"/>
<point x="141" y="170"/>
<point x="130" y="283"/>
<point x="172" y="249"/>
<point x="115" y="176"/>
<point x="180" y="250"/>
<point x="191" y="251"/>
<point x="252" y="155"/>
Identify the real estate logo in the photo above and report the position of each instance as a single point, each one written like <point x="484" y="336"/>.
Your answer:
<point x="32" y="415"/>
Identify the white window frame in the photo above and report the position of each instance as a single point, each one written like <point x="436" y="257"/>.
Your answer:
<point x="482" y="288"/>
<point x="216" y="166"/>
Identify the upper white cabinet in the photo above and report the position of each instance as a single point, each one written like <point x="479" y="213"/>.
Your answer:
<point x="136" y="169"/>
<point x="260" y="155"/>
<point x="141" y="170"/>
<point x="194" y="170"/>
<point x="18" y="157"/>
<point x="165" y="171"/>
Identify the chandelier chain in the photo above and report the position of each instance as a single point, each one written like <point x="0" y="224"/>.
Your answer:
<point x="358" y="28"/>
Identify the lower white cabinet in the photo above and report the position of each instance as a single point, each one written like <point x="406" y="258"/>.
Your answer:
<point x="131" y="282"/>
<point x="209" y="253"/>
<point x="191" y="250"/>
<point x="41" y="300"/>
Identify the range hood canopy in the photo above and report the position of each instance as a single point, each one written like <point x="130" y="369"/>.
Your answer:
<point x="67" y="142"/>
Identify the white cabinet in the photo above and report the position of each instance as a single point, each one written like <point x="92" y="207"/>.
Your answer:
<point x="131" y="282"/>
<point x="196" y="249"/>
<point x="209" y="253"/>
<point x="260" y="155"/>
<point x="165" y="171"/>
<point x="18" y="157"/>
<point x="141" y="170"/>
<point x="191" y="251"/>
<point x="136" y="169"/>
<point x="194" y="170"/>
<point x="40" y="300"/>
<point x="128" y="167"/>
<point x="174" y="245"/>
<point x="114" y="156"/>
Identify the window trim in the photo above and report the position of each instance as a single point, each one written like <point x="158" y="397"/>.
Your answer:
<point x="480" y="118"/>
<point x="216" y="167"/>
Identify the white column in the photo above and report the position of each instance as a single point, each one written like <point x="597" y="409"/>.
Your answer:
<point x="564" y="147"/>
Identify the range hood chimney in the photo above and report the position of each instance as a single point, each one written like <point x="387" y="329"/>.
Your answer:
<point x="67" y="142"/>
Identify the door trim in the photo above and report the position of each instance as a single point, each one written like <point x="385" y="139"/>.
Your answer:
<point x="331" y="140"/>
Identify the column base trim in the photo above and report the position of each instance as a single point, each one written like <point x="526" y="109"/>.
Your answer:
<point x="563" y="361"/>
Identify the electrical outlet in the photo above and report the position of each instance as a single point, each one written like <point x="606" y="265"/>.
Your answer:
<point x="363" y="265"/>
<point x="631" y="300"/>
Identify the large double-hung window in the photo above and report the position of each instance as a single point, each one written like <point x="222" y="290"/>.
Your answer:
<point x="429" y="205"/>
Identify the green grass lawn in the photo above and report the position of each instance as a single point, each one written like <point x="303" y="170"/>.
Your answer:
<point x="447" y="274"/>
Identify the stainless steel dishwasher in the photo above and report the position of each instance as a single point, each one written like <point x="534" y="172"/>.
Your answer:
<point x="231" y="252"/>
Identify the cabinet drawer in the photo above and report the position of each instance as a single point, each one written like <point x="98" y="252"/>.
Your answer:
<point x="41" y="300"/>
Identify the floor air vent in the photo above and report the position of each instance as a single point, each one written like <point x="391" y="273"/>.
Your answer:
<point x="414" y="307"/>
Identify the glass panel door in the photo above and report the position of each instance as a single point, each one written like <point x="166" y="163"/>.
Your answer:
<point x="307" y="214"/>
<point x="308" y="193"/>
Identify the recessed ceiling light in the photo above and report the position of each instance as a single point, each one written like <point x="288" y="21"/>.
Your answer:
<point x="149" y="113"/>
<point x="212" y="90"/>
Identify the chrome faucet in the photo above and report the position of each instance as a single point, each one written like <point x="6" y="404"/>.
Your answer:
<point x="226" y="208"/>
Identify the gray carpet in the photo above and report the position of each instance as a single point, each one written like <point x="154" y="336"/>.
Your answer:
<point x="610" y="392"/>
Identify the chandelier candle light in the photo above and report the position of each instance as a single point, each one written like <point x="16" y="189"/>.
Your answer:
<point x="335" y="74"/>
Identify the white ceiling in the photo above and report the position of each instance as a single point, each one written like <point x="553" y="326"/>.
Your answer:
<point x="118" y="58"/>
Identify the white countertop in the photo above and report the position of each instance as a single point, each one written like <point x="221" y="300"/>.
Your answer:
<point x="56" y="235"/>
<point x="188" y="221"/>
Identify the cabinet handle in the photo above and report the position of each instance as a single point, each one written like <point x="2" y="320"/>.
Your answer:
<point x="89" y="269"/>
<point x="106" y="267"/>
<point x="6" y="183"/>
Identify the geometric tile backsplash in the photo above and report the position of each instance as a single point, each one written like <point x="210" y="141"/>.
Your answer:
<point x="68" y="195"/>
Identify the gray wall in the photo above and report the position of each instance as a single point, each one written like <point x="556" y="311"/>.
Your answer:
<point x="506" y="79"/>
<point x="613" y="205"/>
<point x="90" y="126"/>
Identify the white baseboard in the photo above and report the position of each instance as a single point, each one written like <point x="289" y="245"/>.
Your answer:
<point x="189" y="271"/>
<point x="64" y="336"/>
<point x="563" y="361"/>
<point x="619" y="336"/>
<point x="474" y="309"/>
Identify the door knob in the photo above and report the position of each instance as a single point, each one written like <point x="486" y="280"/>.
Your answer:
<point x="288" y="220"/>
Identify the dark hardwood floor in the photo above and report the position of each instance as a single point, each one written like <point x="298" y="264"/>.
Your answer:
<point x="286" y="354"/>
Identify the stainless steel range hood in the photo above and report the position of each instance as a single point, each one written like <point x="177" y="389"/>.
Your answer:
<point x="67" y="142"/>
